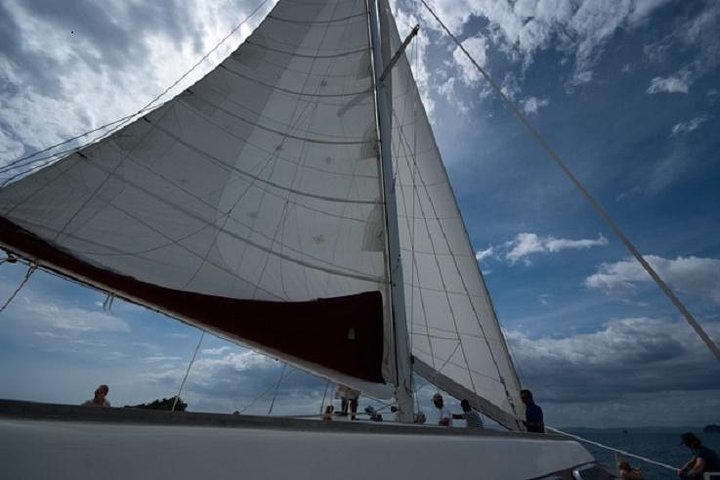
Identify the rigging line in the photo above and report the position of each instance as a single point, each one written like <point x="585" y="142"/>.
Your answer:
<point x="604" y="215"/>
<point x="187" y="372"/>
<point x="277" y="388"/>
<point x="322" y="402"/>
<point x="612" y="449"/>
<point x="157" y="97"/>
<point x="29" y="272"/>
<point x="265" y="392"/>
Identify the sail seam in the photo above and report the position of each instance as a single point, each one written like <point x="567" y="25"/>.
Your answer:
<point x="347" y="53"/>
<point x="278" y="132"/>
<point x="317" y="22"/>
<point x="294" y="92"/>
<point x="349" y="273"/>
<point x="229" y="168"/>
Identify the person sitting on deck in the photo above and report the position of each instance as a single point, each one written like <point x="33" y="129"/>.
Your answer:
<point x="446" y="417"/>
<point x="703" y="460"/>
<point x="471" y="417"/>
<point x="626" y="472"/>
<point x="533" y="413"/>
<point x="99" y="399"/>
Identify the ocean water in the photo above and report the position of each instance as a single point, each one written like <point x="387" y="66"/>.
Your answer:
<point x="661" y="447"/>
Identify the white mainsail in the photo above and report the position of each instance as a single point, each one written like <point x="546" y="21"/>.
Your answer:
<point x="260" y="186"/>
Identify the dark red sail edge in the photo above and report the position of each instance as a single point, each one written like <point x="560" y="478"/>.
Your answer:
<point x="344" y="334"/>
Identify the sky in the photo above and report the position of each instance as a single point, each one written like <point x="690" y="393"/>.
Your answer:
<point x="626" y="91"/>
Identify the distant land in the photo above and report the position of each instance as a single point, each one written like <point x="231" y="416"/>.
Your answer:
<point x="678" y="430"/>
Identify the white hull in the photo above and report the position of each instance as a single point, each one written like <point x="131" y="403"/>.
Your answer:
<point x="35" y="446"/>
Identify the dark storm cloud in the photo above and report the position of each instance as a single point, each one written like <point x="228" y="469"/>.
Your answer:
<point x="639" y="355"/>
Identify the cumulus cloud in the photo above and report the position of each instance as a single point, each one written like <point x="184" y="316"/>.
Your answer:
<point x="483" y="254"/>
<point x="689" y="126"/>
<point x="629" y="355"/>
<point x="526" y="244"/>
<point x="67" y="71"/>
<point x="532" y="104"/>
<point x="477" y="48"/>
<point x="695" y="276"/>
<point x="73" y="320"/>
<point x="233" y="378"/>
<point x="678" y="83"/>
<point x="521" y="29"/>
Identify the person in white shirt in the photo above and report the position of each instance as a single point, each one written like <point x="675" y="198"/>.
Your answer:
<point x="445" y="415"/>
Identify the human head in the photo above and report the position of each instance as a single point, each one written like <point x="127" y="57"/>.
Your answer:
<point x="437" y="400"/>
<point x="624" y="466"/>
<point x="465" y="405"/>
<point x="526" y="396"/>
<point x="102" y="390"/>
<point x="689" y="439"/>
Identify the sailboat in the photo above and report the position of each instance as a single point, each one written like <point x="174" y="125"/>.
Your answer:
<point x="293" y="200"/>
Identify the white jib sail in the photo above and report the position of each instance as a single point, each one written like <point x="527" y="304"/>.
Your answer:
<point x="455" y="336"/>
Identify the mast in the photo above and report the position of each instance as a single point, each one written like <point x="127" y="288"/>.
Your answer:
<point x="403" y="390"/>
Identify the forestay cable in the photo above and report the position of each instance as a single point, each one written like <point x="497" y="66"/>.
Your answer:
<point x="593" y="203"/>
<point x="30" y="271"/>
<point x="616" y="450"/>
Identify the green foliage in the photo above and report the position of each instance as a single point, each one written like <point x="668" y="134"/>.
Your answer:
<point x="164" y="404"/>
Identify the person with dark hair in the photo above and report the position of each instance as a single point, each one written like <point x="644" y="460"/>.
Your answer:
<point x="99" y="399"/>
<point x="348" y="400"/>
<point x="626" y="472"/>
<point x="703" y="460"/>
<point x="445" y="419"/>
<point x="534" y="422"/>
<point x="471" y="417"/>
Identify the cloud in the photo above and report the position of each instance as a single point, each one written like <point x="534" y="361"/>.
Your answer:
<point x="526" y="244"/>
<point x="678" y="83"/>
<point x="521" y="29"/>
<point x="73" y="320"/>
<point x="532" y="104"/>
<point x="483" y="254"/>
<point x="67" y="70"/>
<point x="699" y="277"/>
<point x="696" y="37"/>
<point x="234" y="378"/>
<point x="628" y="355"/>
<point x="689" y="126"/>
<point x="477" y="48"/>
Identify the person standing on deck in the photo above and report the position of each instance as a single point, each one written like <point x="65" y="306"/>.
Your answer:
<point x="99" y="399"/>
<point x="533" y="413"/>
<point x="348" y="400"/>
<point x="471" y="417"/>
<point x="446" y="417"/>
<point x="703" y="460"/>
